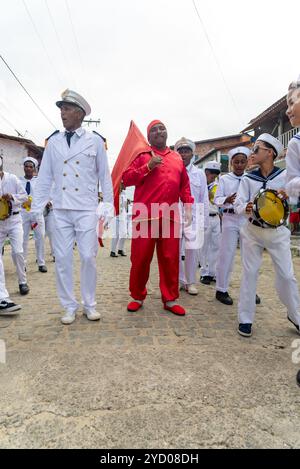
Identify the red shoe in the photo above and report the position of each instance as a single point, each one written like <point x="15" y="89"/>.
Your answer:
<point x="176" y="309"/>
<point x="134" y="306"/>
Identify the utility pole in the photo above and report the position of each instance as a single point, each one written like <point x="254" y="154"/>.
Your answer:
<point x="91" y="121"/>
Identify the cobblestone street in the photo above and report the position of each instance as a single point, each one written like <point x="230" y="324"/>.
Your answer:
<point x="147" y="379"/>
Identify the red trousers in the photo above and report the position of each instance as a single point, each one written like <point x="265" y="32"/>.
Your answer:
<point x="142" y="250"/>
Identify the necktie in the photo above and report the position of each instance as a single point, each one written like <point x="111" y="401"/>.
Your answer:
<point x="27" y="188"/>
<point x="69" y="135"/>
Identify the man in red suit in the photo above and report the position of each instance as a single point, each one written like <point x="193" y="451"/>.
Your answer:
<point x="160" y="180"/>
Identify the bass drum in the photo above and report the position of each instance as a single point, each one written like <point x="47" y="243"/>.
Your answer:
<point x="5" y="209"/>
<point x="269" y="209"/>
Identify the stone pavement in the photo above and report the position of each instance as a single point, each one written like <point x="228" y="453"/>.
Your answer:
<point x="147" y="379"/>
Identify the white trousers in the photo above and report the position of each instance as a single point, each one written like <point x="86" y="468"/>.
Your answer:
<point x="119" y="234"/>
<point x="210" y="249"/>
<point x="277" y="242"/>
<point x="49" y="229"/>
<point x="12" y="229"/>
<point x="231" y="226"/>
<point x="3" y="292"/>
<point x="79" y="226"/>
<point x="39" y="234"/>
<point x="192" y="238"/>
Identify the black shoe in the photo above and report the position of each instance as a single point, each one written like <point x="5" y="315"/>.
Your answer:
<point x="224" y="298"/>
<point x="298" y="378"/>
<point x="183" y="258"/>
<point x="8" y="308"/>
<point x="296" y="325"/>
<point x="257" y="300"/>
<point x="212" y="279"/>
<point x="113" y="254"/>
<point x="43" y="268"/>
<point x="24" y="288"/>
<point x="122" y="253"/>
<point x="205" y="280"/>
<point x="245" y="330"/>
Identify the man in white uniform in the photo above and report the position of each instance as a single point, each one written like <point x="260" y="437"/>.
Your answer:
<point x="210" y="249"/>
<point x="12" y="191"/>
<point x="192" y="236"/>
<point x="75" y="161"/>
<point x="7" y="307"/>
<point x="255" y="237"/>
<point x="293" y="152"/>
<point x="231" y="222"/>
<point x="120" y="228"/>
<point x="38" y="224"/>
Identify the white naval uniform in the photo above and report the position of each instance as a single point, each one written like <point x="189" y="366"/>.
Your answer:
<point x="276" y="241"/>
<point x="210" y="249"/>
<point x="49" y="227"/>
<point x="293" y="169"/>
<point x="120" y="226"/>
<point x="12" y="227"/>
<point x="200" y="212"/>
<point x="231" y="225"/>
<point x="28" y="220"/>
<point x="75" y="172"/>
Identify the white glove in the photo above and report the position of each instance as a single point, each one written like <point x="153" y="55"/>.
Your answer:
<point x="293" y="187"/>
<point x="105" y="210"/>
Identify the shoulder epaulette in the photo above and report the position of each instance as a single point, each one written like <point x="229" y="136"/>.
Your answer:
<point x="48" y="138"/>
<point x="103" y="138"/>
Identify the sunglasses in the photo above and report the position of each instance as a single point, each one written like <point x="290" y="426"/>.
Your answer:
<point x="256" y="149"/>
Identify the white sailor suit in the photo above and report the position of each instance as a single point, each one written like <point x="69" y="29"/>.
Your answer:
<point x="27" y="219"/>
<point x="231" y="225"/>
<point x="120" y="226"/>
<point x="293" y="169"/>
<point x="193" y="235"/>
<point x="12" y="227"/>
<point x="76" y="173"/>
<point x="276" y="241"/>
<point x="210" y="249"/>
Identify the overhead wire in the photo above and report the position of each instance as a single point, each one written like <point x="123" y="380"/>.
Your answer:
<point x="75" y="36"/>
<point x="42" y="43"/>
<point x="11" y="125"/>
<point x="25" y="90"/>
<point x="58" y="39"/>
<point x="217" y="61"/>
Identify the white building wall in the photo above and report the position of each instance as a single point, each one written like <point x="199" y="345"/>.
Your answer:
<point x="13" y="153"/>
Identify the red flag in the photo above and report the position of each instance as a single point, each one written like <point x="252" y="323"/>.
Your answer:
<point x="134" y="144"/>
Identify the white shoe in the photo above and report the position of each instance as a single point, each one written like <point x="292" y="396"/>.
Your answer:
<point x="92" y="314"/>
<point x="182" y="286"/>
<point x="69" y="317"/>
<point x="192" y="290"/>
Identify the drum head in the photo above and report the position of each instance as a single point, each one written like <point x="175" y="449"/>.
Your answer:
<point x="212" y="193"/>
<point x="4" y="209"/>
<point x="270" y="209"/>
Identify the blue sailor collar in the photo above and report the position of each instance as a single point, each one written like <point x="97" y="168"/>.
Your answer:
<point x="257" y="176"/>
<point x="297" y="136"/>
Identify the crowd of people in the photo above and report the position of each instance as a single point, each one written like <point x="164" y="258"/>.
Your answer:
<point x="193" y="217"/>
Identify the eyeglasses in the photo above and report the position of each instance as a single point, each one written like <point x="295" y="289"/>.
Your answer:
<point x="256" y="149"/>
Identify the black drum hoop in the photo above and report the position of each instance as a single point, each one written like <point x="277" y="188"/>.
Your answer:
<point x="256" y="209"/>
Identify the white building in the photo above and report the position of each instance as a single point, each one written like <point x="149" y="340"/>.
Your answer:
<point x="14" y="149"/>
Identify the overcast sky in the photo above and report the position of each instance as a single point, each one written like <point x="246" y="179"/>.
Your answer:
<point x="144" y="60"/>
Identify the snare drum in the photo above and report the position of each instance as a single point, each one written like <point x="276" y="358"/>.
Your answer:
<point x="5" y="209"/>
<point x="269" y="209"/>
